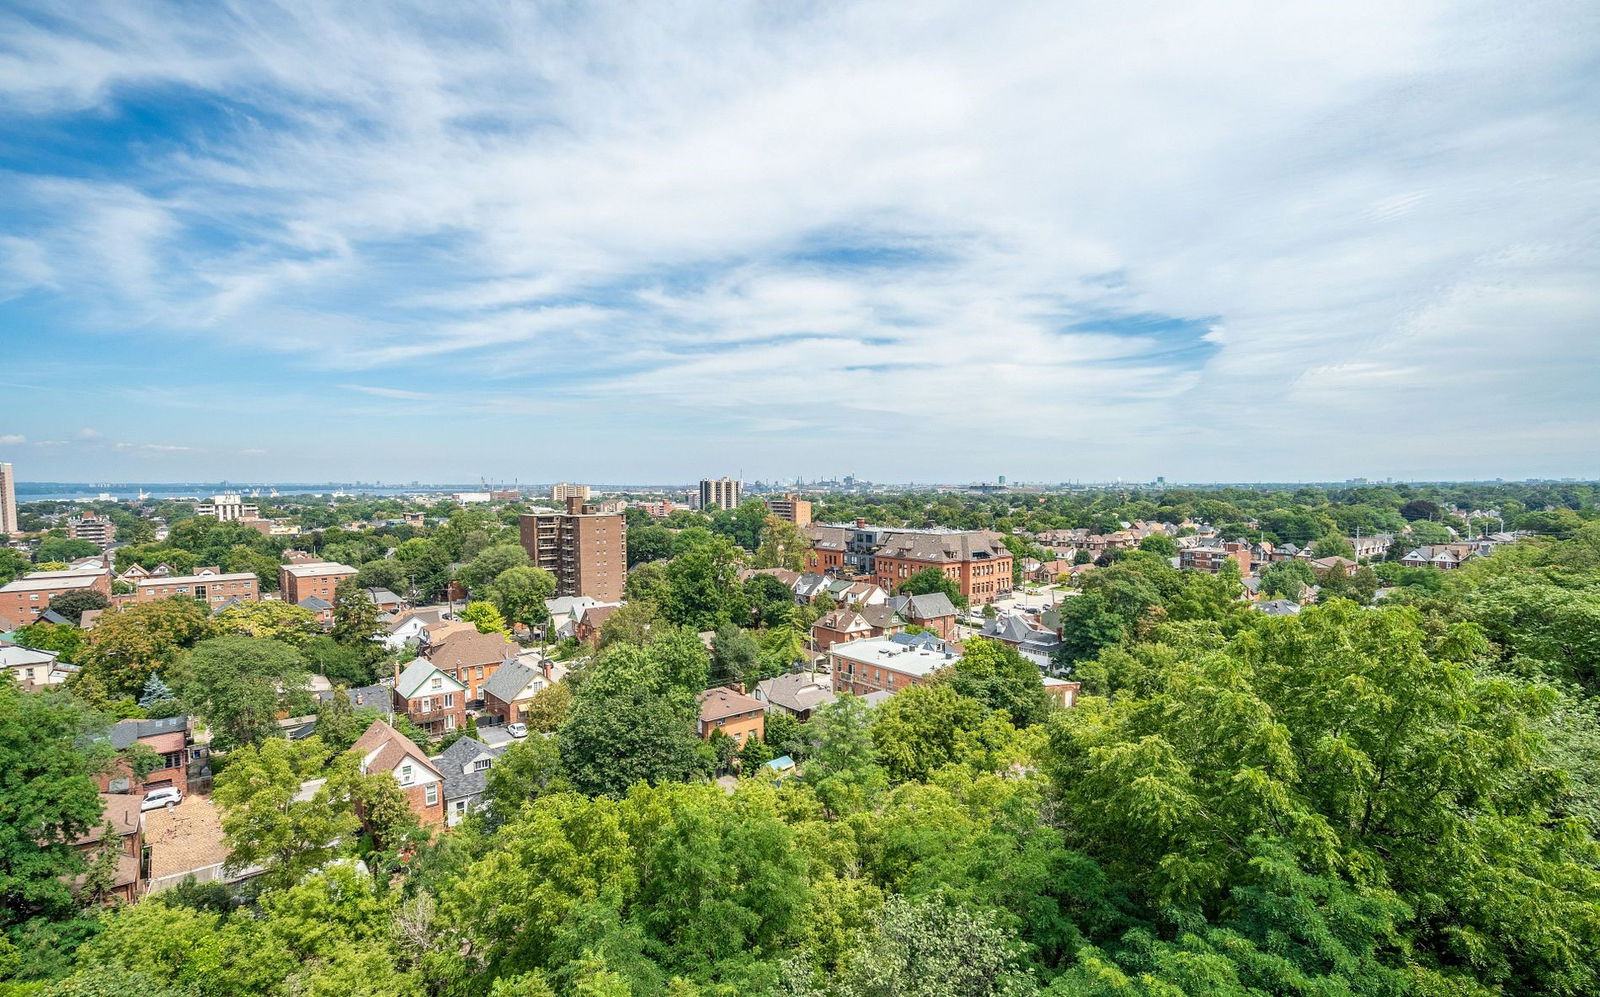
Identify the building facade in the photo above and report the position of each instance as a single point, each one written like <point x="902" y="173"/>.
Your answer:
<point x="560" y="493"/>
<point x="792" y="508"/>
<point x="739" y="716"/>
<point x="213" y="589"/>
<point x="882" y="664"/>
<point x="227" y="507"/>
<point x="586" y="550"/>
<point x="97" y="530"/>
<point x="719" y="493"/>
<point x="298" y="582"/>
<point x="8" y="499"/>
<point x="24" y="600"/>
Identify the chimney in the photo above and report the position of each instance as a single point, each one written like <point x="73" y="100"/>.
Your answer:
<point x="397" y="674"/>
<point x="861" y="524"/>
<point x="544" y="668"/>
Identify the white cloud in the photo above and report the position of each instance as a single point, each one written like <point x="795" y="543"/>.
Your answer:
<point x="857" y="217"/>
<point x="11" y="439"/>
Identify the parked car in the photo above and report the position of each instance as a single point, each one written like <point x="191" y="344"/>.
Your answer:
<point x="517" y="730"/>
<point x="167" y="796"/>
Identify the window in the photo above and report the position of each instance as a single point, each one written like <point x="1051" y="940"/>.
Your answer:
<point x="449" y="701"/>
<point x="437" y="683"/>
<point x="480" y="764"/>
<point x="450" y="722"/>
<point x="430" y="795"/>
<point x="406" y="775"/>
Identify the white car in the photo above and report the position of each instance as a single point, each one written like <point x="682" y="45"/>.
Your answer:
<point x="517" y="730"/>
<point x="167" y="796"/>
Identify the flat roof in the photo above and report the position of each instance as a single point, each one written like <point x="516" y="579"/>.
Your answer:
<point x="318" y="568"/>
<point x="886" y="653"/>
<point x="54" y="580"/>
<point x="233" y="576"/>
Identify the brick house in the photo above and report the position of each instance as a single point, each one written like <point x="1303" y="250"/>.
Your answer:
<point x="934" y="612"/>
<point x="508" y="692"/>
<point x="384" y="749"/>
<point x="848" y="624"/>
<point x="433" y="700"/>
<point x="120" y="812"/>
<point x="727" y="709"/>
<point x="183" y="762"/>
<point x="1209" y="556"/>
<point x="470" y="657"/>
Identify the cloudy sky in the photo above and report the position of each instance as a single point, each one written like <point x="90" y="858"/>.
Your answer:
<point x="930" y="241"/>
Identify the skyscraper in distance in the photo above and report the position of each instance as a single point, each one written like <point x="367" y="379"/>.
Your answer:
<point x="8" y="499"/>
<point x="719" y="493"/>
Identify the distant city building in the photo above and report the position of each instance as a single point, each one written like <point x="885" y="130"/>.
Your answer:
<point x="8" y="499"/>
<point x="584" y="547"/>
<point x="719" y="493"/>
<point x="227" y="507"/>
<point x="656" y="510"/>
<point x="560" y="493"/>
<point x="791" y="507"/>
<point x="97" y="530"/>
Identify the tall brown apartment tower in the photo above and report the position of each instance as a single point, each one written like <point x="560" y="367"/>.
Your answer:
<point x="587" y="550"/>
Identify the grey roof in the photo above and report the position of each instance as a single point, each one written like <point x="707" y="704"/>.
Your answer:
<point x="1279" y="607"/>
<point x="51" y="616"/>
<point x="931" y="606"/>
<point x="508" y="680"/>
<point x="455" y="764"/>
<point x="382" y="595"/>
<point x="797" y="691"/>
<point x="315" y="603"/>
<point x="809" y="585"/>
<point x="921" y="640"/>
<point x="1008" y="628"/>
<point x="125" y="732"/>
<point x="942" y="547"/>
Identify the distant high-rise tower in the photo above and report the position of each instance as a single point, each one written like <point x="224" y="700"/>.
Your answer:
<point x="719" y="493"/>
<point x="562" y="492"/>
<point x="8" y="499"/>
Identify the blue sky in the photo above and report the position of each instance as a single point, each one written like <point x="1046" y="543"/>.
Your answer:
<point x="630" y="242"/>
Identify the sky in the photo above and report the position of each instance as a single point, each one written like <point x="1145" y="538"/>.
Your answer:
<point x="931" y="242"/>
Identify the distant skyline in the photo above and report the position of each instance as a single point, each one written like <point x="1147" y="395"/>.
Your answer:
<point x="937" y="242"/>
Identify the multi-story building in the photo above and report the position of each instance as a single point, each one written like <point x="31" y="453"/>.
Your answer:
<point x="97" y="530"/>
<point x="587" y="550"/>
<point x="8" y="499"/>
<point x="719" y="493"/>
<point x="656" y="510"/>
<point x="978" y="561"/>
<point x="120" y="831"/>
<point x="183" y="763"/>
<point x="739" y="716"/>
<point x="791" y="507"/>
<point x="211" y="587"/>
<point x="560" y="493"/>
<point x="470" y="657"/>
<point x="433" y="700"/>
<point x="384" y="749"/>
<point x="227" y="507"/>
<point x="298" y="582"/>
<point x="1372" y="548"/>
<point x="1209" y="555"/>
<point x="24" y="600"/>
<point x="883" y="664"/>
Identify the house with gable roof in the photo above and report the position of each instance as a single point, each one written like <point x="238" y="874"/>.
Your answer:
<point x="465" y="768"/>
<point x="432" y="699"/>
<point x="384" y="749"/>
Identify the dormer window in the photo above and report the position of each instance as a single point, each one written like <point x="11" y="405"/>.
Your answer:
<point x="480" y="764"/>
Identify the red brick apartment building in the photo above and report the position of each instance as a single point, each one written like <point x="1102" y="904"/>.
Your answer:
<point x="586" y="549"/>
<point x="880" y="664"/>
<point x="976" y="560"/>
<point x="24" y="600"/>
<point x="300" y="581"/>
<point x="210" y="587"/>
<point x="1209" y="555"/>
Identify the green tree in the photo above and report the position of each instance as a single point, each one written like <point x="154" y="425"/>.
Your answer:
<point x="355" y="616"/>
<point x="49" y="798"/>
<point x="67" y="641"/>
<point x="648" y="543"/>
<point x="734" y="656"/>
<point x="1088" y="626"/>
<point x="63" y="549"/>
<point x="485" y="617"/>
<point x="490" y="564"/>
<point x="783" y="545"/>
<point x="930" y="580"/>
<point x="772" y="601"/>
<point x="996" y="675"/>
<point x="75" y="603"/>
<point x="127" y="646"/>
<point x="528" y="769"/>
<point x="703" y="589"/>
<point x="1159" y="544"/>
<point x="925" y="727"/>
<point x="843" y="766"/>
<point x="236" y="684"/>
<point x="266" y="818"/>
<point x="1287" y="579"/>
<point x="928" y="948"/>
<point x="269" y="619"/>
<point x="520" y="593"/>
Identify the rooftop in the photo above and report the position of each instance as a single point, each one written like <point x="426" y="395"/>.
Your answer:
<point x="885" y="652"/>
<point x="723" y="702"/>
<point x="307" y="569"/>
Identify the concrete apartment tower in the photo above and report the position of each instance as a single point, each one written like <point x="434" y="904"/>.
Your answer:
<point x="8" y="500"/>
<point x="719" y="493"/>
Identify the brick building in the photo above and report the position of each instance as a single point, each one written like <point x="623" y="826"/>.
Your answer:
<point x="586" y="549"/>
<point x="977" y="561"/>
<point x="211" y="587"/>
<point x="120" y="813"/>
<point x="739" y="716"/>
<point x="843" y="625"/>
<point x="1209" y="556"/>
<point x="433" y="700"/>
<point x="183" y="762"/>
<point x="469" y="657"/>
<point x="883" y="664"/>
<point x="24" y="600"/>
<point x="514" y="685"/>
<point x="98" y="530"/>
<point x="298" y="581"/>
<point x="384" y="749"/>
<point x="792" y="508"/>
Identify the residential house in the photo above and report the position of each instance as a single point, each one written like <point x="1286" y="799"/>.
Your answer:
<point x="121" y="818"/>
<point x="729" y="710"/>
<point x="1339" y="564"/>
<point x="433" y="700"/>
<point x="385" y="600"/>
<point x="1279" y="607"/>
<point x="183" y="763"/>
<point x="933" y="611"/>
<point x="587" y="626"/>
<point x="1443" y="557"/>
<point x="1209" y="556"/>
<point x="407" y="627"/>
<point x="798" y="694"/>
<point x="33" y="669"/>
<point x="471" y="657"/>
<point x="384" y="749"/>
<point x="848" y="624"/>
<point x="1065" y="693"/>
<point x="465" y="767"/>
<point x="507" y="693"/>
<point x="319" y="607"/>
<point x="884" y="664"/>
<point x="1372" y="548"/>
